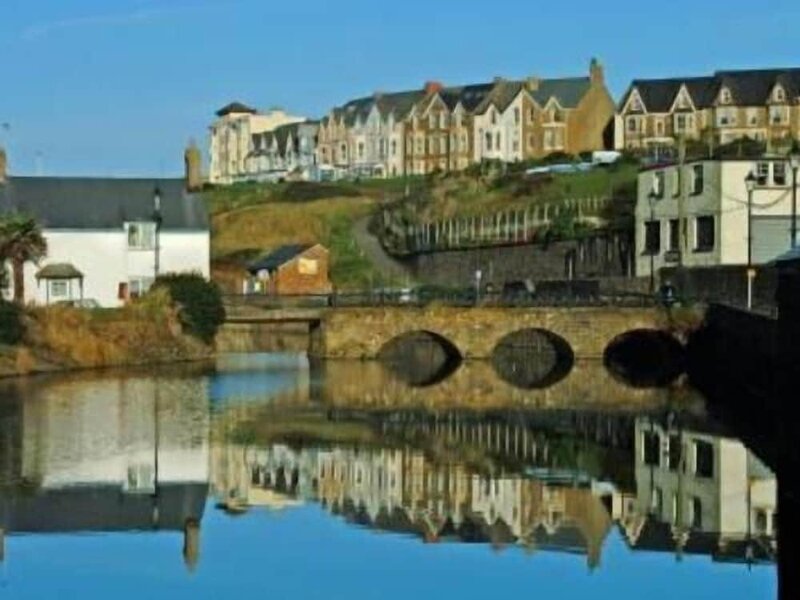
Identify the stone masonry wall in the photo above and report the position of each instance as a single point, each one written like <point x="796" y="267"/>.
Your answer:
<point x="475" y="332"/>
<point x="598" y="256"/>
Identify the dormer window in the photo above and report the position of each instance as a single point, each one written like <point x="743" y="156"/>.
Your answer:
<point x="725" y="96"/>
<point x="493" y="117"/>
<point x="779" y="95"/>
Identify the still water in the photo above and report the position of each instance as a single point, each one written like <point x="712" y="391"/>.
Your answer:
<point x="265" y="475"/>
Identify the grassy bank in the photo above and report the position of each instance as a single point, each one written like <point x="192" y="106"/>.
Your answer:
<point x="62" y="338"/>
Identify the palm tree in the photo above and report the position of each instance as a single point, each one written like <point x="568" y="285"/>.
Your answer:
<point x="21" y="241"/>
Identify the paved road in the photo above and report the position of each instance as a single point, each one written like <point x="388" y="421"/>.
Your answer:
<point x="373" y="250"/>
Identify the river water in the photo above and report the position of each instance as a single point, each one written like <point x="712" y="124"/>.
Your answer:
<point x="266" y="475"/>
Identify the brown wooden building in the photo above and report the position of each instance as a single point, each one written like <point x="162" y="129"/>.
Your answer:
<point x="292" y="270"/>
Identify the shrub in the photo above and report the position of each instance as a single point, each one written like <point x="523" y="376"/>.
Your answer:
<point x="200" y="303"/>
<point x="11" y="327"/>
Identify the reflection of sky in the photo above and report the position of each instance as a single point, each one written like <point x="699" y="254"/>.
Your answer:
<point x="305" y="553"/>
<point x="255" y="377"/>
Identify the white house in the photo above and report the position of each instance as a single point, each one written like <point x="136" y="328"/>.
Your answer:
<point x="698" y="212"/>
<point x="702" y="486"/>
<point x="231" y="137"/>
<point x="103" y="242"/>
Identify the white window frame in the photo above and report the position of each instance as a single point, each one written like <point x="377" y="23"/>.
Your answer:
<point x="141" y="235"/>
<point x="56" y="295"/>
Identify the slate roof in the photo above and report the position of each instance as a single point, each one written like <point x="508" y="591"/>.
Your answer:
<point x="59" y="271"/>
<point x="103" y="508"/>
<point x="278" y="257"/>
<point x="569" y="91"/>
<point x="87" y="203"/>
<point x="747" y="87"/>
<point x="235" y="107"/>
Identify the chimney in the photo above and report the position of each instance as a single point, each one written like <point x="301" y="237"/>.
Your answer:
<point x="432" y="87"/>
<point x="596" y="74"/>
<point x="532" y="83"/>
<point x="3" y="166"/>
<point x="193" y="163"/>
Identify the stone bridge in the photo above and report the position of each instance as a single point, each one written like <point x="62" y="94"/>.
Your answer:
<point x="475" y="332"/>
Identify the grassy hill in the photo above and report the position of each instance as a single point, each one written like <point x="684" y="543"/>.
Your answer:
<point x="251" y="219"/>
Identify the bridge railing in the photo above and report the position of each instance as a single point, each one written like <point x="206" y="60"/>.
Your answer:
<point x="444" y="297"/>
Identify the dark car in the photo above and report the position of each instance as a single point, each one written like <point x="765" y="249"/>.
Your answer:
<point x="517" y="293"/>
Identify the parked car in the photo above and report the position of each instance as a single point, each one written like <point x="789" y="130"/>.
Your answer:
<point x="518" y="292"/>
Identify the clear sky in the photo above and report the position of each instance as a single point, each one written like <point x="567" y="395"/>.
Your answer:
<point x="118" y="87"/>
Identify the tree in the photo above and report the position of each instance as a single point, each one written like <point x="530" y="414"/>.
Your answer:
<point x="21" y="241"/>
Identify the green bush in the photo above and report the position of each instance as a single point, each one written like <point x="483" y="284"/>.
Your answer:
<point x="11" y="327"/>
<point x="199" y="300"/>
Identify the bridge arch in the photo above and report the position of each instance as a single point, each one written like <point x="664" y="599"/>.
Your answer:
<point x="645" y="357"/>
<point x="532" y="358"/>
<point x="421" y="357"/>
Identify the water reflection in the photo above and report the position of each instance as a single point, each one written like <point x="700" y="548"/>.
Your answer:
<point x="561" y="473"/>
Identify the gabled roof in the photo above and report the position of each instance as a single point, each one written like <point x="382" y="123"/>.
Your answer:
<point x="97" y="203"/>
<point x="569" y="91"/>
<point x="279" y="257"/>
<point x="235" y="108"/>
<point x="748" y="88"/>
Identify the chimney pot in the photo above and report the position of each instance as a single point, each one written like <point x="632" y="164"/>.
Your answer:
<point x="193" y="162"/>
<point x="3" y="166"/>
<point x="431" y="87"/>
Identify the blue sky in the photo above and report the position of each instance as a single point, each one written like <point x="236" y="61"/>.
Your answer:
<point x="118" y="88"/>
<point x="306" y="553"/>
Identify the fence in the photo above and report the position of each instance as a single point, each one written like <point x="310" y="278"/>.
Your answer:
<point x="500" y="228"/>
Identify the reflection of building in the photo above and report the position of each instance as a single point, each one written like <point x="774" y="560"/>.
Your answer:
<point x="701" y="493"/>
<point x="403" y="491"/>
<point x="110" y="455"/>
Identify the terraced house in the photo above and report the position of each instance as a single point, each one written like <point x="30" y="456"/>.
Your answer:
<point x="448" y="128"/>
<point x="762" y="105"/>
<point x="288" y="151"/>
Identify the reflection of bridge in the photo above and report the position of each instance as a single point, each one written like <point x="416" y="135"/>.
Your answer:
<point x="473" y="331"/>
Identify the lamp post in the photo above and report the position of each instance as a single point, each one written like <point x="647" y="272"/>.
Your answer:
<point x="652" y="196"/>
<point x="794" y="163"/>
<point x="158" y="219"/>
<point x="750" y="182"/>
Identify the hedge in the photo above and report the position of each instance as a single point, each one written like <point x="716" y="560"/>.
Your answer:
<point x="200" y="302"/>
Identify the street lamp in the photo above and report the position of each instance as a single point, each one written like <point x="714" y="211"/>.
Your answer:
<point x="652" y="197"/>
<point x="794" y="163"/>
<point x="158" y="219"/>
<point x="750" y="182"/>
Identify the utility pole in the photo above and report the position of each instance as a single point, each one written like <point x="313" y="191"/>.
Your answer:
<point x="794" y="163"/>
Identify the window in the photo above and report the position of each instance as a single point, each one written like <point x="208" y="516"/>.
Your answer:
<point x="675" y="451"/>
<point x="633" y="125"/>
<point x="703" y="459"/>
<point x="697" y="180"/>
<point x="307" y="266"/>
<point x="659" y="128"/>
<point x="680" y="123"/>
<point x="652" y="237"/>
<point x="780" y="96"/>
<point x="674" y="235"/>
<point x="497" y="141"/>
<point x="656" y="501"/>
<point x="676" y="182"/>
<point x="394" y="147"/>
<point x="138" y="286"/>
<point x="696" y="513"/>
<point x="431" y="121"/>
<point x="532" y="115"/>
<point x="493" y="117"/>
<point x="725" y="96"/>
<point x="762" y="173"/>
<point x="141" y="236"/>
<point x="704" y="232"/>
<point x="488" y="140"/>
<point x="658" y="183"/>
<point x="59" y="289"/>
<point x="779" y="173"/>
<point x="651" y="448"/>
<point x="442" y="121"/>
<point x="516" y="116"/>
